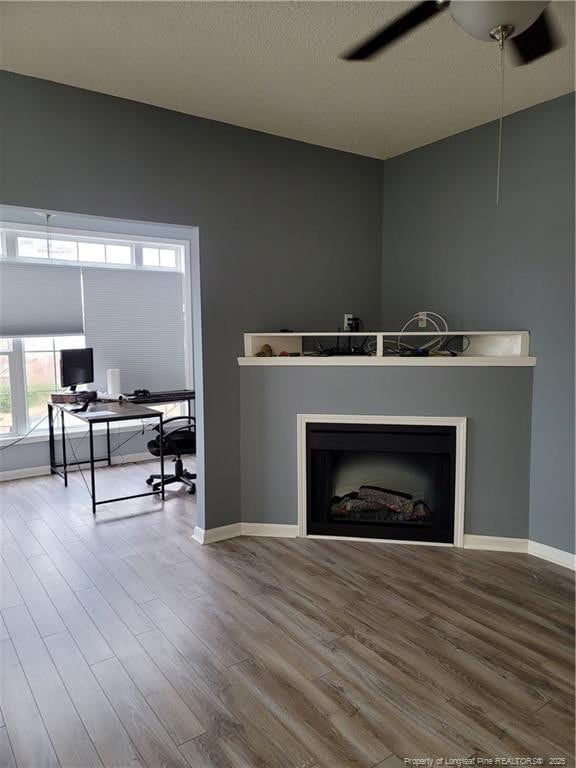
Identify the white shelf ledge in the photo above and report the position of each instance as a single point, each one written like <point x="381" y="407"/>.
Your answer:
<point x="503" y="361"/>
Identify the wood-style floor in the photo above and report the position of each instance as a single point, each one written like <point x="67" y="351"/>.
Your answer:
<point x="125" y="643"/>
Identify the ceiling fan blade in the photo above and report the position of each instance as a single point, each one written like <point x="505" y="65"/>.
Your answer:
<point x="538" y="40"/>
<point x="403" y="24"/>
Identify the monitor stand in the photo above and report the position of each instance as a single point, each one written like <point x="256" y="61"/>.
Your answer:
<point x="82" y="408"/>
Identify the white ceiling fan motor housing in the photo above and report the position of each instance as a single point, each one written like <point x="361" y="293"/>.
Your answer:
<point x="479" y="18"/>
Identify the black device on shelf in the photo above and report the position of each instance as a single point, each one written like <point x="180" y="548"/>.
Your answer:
<point x="141" y="393"/>
<point x="76" y="367"/>
<point x="170" y="396"/>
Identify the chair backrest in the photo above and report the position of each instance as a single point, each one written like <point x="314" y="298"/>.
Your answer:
<point x="176" y="442"/>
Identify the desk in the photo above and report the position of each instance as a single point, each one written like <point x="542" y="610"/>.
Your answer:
<point x="100" y="413"/>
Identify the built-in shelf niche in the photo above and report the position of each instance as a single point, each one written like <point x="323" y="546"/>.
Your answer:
<point x="479" y="348"/>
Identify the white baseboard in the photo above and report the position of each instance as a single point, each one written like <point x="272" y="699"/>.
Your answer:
<point x="211" y="535"/>
<point x="552" y="554"/>
<point x="495" y="543"/>
<point x="501" y="544"/>
<point x="244" y="529"/>
<point x="20" y="474"/>
<point x="198" y="535"/>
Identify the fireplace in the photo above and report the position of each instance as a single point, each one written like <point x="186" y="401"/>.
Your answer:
<point x="383" y="479"/>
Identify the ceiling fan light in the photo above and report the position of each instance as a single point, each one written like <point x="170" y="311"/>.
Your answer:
<point x="479" y="17"/>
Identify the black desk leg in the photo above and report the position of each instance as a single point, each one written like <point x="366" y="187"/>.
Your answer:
<point x="51" y="439"/>
<point x="161" y="441"/>
<point x="64" y="464"/>
<point x="92" y="473"/>
<point x="108" y="443"/>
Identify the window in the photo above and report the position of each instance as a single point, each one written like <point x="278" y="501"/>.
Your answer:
<point x="42" y="371"/>
<point x="118" y="254"/>
<point x="31" y="247"/>
<point x="29" y="373"/>
<point x="40" y="367"/>
<point x="92" y="252"/>
<point x="74" y="250"/>
<point x="159" y="257"/>
<point x="59" y="246"/>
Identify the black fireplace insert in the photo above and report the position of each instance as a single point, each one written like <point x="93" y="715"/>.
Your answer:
<point x="381" y="481"/>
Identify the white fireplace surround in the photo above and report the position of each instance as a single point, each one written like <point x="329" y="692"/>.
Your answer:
<point x="419" y="421"/>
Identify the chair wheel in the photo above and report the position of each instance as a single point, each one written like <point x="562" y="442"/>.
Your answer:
<point x="192" y="489"/>
<point x="149" y="481"/>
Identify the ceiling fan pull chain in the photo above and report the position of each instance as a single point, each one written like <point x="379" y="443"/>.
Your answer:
<point x="501" y="120"/>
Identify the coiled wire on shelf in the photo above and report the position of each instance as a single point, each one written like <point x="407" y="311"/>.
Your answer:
<point x="436" y="342"/>
<point x="398" y="347"/>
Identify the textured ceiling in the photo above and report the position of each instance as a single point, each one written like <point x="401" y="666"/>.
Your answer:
<point x="274" y="66"/>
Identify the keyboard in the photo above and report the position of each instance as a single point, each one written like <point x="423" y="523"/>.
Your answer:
<point x="170" y="396"/>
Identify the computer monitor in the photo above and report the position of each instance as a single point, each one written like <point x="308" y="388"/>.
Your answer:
<point x="76" y="367"/>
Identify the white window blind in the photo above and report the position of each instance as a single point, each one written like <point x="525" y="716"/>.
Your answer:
<point x="38" y="300"/>
<point x="134" y="321"/>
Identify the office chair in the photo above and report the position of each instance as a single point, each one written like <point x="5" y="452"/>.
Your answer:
<point x="177" y="442"/>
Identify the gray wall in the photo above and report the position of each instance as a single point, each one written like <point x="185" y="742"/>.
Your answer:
<point x="290" y="233"/>
<point x="495" y="400"/>
<point x="449" y="248"/>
